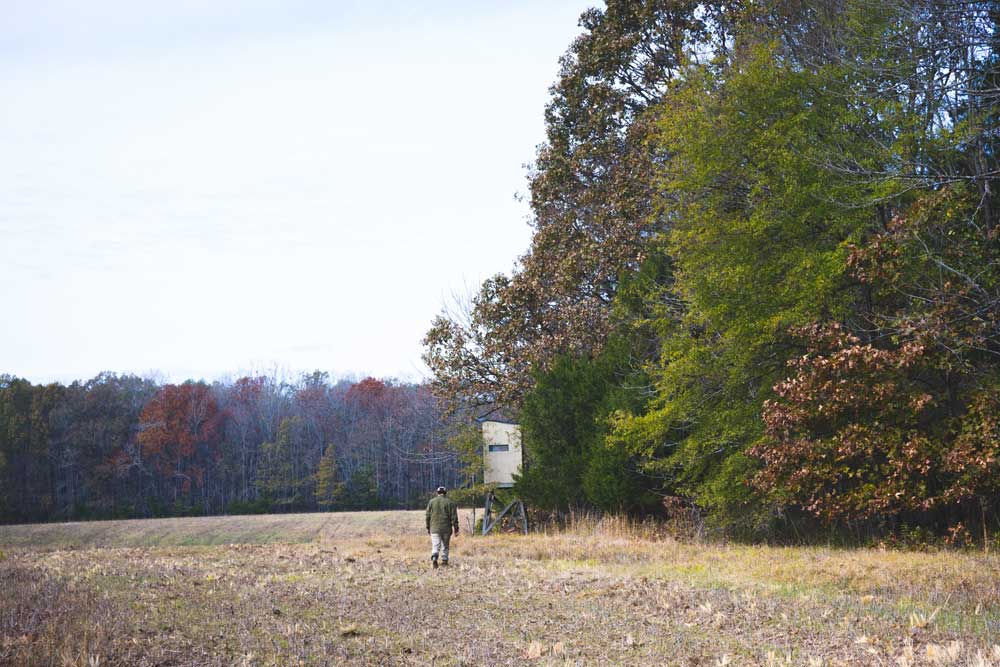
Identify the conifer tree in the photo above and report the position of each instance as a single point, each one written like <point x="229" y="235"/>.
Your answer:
<point x="329" y="491"/>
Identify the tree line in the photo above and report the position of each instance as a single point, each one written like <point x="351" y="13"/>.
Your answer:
<point x="763" y="280"/>
<point x="121" y="446"/>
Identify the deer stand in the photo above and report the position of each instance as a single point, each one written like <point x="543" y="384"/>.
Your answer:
<point x="517" y="520"/>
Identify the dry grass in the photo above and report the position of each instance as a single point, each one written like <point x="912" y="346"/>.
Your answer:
<point x="594" y="596"/>
<point x="256" y="529"/>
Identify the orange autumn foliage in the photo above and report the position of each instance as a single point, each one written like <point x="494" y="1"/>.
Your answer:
<point x="180" y="423"/>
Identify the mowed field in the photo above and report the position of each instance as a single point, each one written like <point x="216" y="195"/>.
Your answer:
<point x="357" y="589"/>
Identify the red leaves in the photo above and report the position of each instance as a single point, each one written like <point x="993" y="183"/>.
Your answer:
<point x="178" y="422"/>
<point x="367" y="391"/>
<point x="248" y="389"/>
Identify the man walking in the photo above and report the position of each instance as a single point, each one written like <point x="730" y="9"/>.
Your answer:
<point x="442" y="519"/>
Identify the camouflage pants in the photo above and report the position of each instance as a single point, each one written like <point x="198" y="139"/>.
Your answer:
<point x="439" y="544"/>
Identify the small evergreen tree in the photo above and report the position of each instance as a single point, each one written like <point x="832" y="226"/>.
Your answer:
<point x="361" y="490"/>
<point x="329" y="491"/>
<point x="570" y="462"/>
<point x="279" y="478"/>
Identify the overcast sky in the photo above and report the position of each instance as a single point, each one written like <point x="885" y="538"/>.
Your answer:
<point x="206" y="188"/>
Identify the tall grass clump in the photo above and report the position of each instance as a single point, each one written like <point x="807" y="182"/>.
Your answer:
<point x="605" y="525"/>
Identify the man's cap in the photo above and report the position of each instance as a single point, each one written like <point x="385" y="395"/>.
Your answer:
<point x="441" y="489"/>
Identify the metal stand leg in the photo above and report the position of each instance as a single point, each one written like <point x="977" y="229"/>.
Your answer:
<point x="489" y="522"/>
<point x="486" y="513"/>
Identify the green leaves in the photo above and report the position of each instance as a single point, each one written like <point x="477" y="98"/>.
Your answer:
<point x="564" y="423"/>
<point x="592" y="200"/>
<point x="757" y="247"/>
<point x="902" y="424"/>
<point x="329" y="490"/>
<point x="763" y="202"/>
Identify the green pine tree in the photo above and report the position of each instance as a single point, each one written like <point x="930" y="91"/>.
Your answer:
<point x="329" y="490"/>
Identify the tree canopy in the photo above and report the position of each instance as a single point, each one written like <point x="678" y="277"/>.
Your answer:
<point x="786" y="213"/>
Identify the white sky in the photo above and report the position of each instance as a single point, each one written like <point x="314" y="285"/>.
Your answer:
<point x="203" y="188"/>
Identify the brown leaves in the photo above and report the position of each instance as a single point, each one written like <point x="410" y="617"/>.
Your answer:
<point x="857" y="432"/>
<point x="838" y="433"/>
<point x="593" y="206"/>
<point x="900" y="414"/>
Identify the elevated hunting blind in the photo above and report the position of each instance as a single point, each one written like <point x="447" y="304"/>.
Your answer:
<point x="502" y="459"/>
<point x="501" y="453"/>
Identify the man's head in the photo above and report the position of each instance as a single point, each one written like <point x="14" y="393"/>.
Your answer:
<point x="441" y="491"/>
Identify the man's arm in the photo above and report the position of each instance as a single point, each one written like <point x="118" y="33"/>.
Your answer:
<point x="428" y="513"/>
<point x="454" y="517"/>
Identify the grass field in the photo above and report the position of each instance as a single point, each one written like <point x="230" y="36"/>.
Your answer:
<point x="204" y="531"/>
<point x="357" y="589"/>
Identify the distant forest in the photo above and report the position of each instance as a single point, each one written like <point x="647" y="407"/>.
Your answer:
<point x="123" y="446"/>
